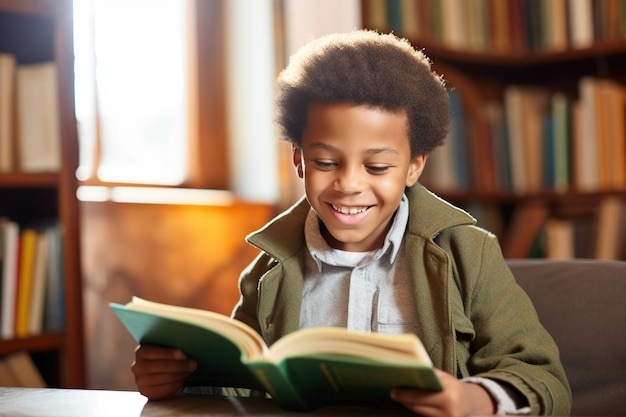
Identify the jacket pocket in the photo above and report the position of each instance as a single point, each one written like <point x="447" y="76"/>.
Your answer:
<point x="464" y="334"/>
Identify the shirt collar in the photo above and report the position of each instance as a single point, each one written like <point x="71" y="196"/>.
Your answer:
<point x="321" y="252"/>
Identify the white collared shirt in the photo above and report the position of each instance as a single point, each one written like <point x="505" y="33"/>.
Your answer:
<point x="366" y="291"/>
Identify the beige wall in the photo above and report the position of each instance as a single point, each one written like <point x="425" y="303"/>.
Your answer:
<point x="187" y="255"/>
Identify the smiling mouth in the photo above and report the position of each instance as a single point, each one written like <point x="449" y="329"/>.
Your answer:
<point x="349" y="210"/>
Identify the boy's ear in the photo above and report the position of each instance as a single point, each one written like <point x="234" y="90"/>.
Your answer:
<point x="297" y="160"/>
<point x="416" y="167"/>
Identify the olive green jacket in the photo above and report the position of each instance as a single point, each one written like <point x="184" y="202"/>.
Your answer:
<point x="473" y="318"/>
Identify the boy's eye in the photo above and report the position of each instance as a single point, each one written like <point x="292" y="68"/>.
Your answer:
<point x="325" y="165"/>
<point x="377" y="169"/>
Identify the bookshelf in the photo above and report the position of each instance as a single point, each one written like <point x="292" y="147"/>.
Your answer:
<point x="501" y="59"/>
<point x="35" y="32"/>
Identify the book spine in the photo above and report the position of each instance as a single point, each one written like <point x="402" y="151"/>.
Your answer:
<point x="10" y="238"/>
<point x="394" y="16"/>
<point x="28" y="243"/>
<point x="7" y="88"/>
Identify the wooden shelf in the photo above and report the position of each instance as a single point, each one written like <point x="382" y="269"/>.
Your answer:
<point x="19" y="180"/>
<point x="523" y="59"/>
<point x="38" y="31"/>
<point x="38" y="343"/>
<point x="565" y="197"/>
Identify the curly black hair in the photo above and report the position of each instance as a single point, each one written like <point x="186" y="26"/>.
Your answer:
<point x="369" y="68"/>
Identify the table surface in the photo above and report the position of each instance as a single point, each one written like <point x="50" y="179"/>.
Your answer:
<point x="51" y="402"/>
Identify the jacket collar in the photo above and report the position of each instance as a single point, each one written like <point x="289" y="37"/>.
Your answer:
<point x="429" y="214"/>
<point x="283" y="237"/>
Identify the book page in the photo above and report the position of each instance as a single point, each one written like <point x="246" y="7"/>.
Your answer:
<point x="405" y="348"/>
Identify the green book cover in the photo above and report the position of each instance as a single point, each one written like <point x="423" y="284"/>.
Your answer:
<point x="302" y="371"/>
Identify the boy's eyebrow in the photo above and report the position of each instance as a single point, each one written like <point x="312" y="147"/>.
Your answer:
<point x="369" y="151"/>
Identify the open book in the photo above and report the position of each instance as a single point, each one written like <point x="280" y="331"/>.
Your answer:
<point x="303" y="370"/>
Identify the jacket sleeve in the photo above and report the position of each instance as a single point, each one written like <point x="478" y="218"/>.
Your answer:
<point x="505" y="340"/>
<point x="246" y="308"/>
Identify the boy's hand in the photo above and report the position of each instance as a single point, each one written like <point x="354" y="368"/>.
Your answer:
<point x="458" y="399"/>
<point x="160" y="372"/>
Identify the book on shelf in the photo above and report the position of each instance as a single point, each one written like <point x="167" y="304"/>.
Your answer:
<point x="38" y="118"/>
<point x="410" y="17"/>
<point x="513" y="105"/>
<point x="377" y="16"/>
<point x="532" y="108"/>
<point x="493" y="114"/>
<point x="453" y="23"/>
<point x="601" y="89"/>
<point x="559" y="239"/>
<point x="22" y="371"/>
<point x="478" y="22"/>
<point x="7" y="104"/>
<point x="394" y="15"/>
<point x="10" y="241"/>
<point x="580" y="20"/>
<point x="610" y="238"/>
<point x="499" y="16"/>
<point x="614" y="121"/>
<point x="54" y="297"/>
<point x="39" y="281"/>
<point x="548" y="152"/>
<point x="458" y="139"/>
<point x="561" y="143"/>
<point x="554" y="20"/>
<point x="27" y="248"/>
<point x="478" y="155"/>
<point x="303" y="370"/>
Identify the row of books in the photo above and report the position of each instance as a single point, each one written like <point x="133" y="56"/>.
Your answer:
<point x="30" y="129"/>
<point x="538" y="230"/>
<point x="600" y="236"/>
<point x="31" y="290"/>
<point x="501" y="25"/>
<point x="536" y="140"/>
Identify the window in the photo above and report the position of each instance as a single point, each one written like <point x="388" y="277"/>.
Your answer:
<point x="131" y="90"/>
<point x="154" y="103"/>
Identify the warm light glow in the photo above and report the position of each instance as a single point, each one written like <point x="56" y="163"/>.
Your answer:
<point x="155" y="195"/>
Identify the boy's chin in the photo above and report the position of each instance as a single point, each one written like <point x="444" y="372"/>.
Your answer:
<point x="349" y="242"/>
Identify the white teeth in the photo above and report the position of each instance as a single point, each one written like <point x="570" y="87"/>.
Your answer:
<point x="349" y="210"/>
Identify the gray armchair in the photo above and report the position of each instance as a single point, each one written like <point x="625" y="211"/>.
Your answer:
<point x="582" y="303"/>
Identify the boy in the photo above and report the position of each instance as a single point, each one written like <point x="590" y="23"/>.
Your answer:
<point x="370" y="249"/>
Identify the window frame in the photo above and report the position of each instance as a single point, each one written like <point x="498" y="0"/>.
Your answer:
<point x="207" y="152"/>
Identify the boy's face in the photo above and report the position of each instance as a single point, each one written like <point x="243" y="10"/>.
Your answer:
<point x="356" y="162"/>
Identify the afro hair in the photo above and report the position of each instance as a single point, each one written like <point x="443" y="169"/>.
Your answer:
<point x="364" y="67"/>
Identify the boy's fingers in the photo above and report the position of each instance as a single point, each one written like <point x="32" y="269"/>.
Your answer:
<point x="151" y="352"/>
<point x="147" y="366"/>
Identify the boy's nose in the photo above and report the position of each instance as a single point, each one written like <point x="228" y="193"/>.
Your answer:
<point x="349" y="180"/>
